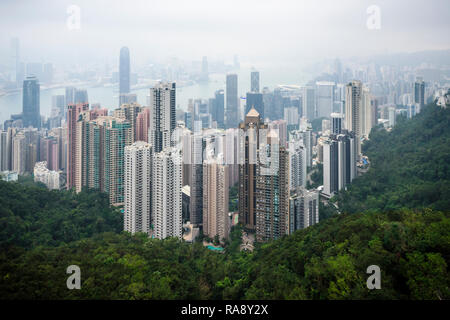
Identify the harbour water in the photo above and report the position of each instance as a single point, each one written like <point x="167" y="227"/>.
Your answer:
<point x="108" y="98"/>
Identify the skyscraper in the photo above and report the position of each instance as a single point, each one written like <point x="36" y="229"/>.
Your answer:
<point x="15" y="50"/>
<point x="339" y="162"/>
<point x="254" y="79"/>
<point x="80" y="96"/>
<point x="218" y="108"/>
<point x="303" y="209"/>
<point x="124" y="71"/>
<point x="142" y="125"/>
<point x="31" y="115"/>
<point x="419" y="94"/>
<point x="59" y="104"/>
<point x="117" y="134"/>
<point x="215" y="200"/>
<point x="196" y="178"/>
<point x="353" y="112"/>
<point x="4" y="151"/>
<point x="255" y="100"/>
<point x="166" y="194"/>
<point x="248" y="168"/>
<point x="297" y="164"/>
<point x="162" y="115"/>
<point x="272" y="190"/>
<point x="205" y="73"/>
<point x="232" y="101"/>
<point x="336" y="126"/>
<point x="73" y="112"/>
<point x="330" y="167"/>
<point x="19" y="150"/>
<point x="137" y="193"/>
<point x="305" y="136"/>
<point x="129" y="111"/>
<point x="309" y="103"/>
<point x="324" y="98"/>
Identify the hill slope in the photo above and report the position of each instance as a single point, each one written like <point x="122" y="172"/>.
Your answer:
<point x="410" y="166"/>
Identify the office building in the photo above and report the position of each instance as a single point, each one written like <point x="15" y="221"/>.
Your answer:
<point x="31" y="115"/>
<point x="255" y="100"/>
<point x="80" y="96"/>
<point x="254" y="82"/>
<point x="232" y="101"/>
<point x="419" y="94"/>
<point x="324" y="98"/>
<point x="218" y="108"/>
<point x="124" y="71"/>
<point x="309" y="103"/>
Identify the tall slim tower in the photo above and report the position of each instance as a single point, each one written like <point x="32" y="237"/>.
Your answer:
<point x="247" y="168"/>
<point x="419" y="93"/>
<point x="15" y="50"/>
<point x="232" y="101"/>
<point x="215" y="200"/>
<point x="205" y="73"/>
<point x="218" y="108"/>
<point x="330" y="167"/>
<point x="166" y="194"/>
<point x="142" y="125"/>
<point x="124" y="71"/>
<point x="73" y="112"/>
<point x="309" y="103"/>
<point x="137" y="206"/>
<point x="353" y="112"/>
<point x="162" y="115"/>
<point x="31" y="103"/>
<point x="254" y="79"/>
<point x="117" y="134"/>
<point x="272" y="191"/>
<point x="297" y="163"/>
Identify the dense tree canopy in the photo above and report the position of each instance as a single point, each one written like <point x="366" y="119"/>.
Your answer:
<point x="410" y="166"/>
<point x="30" y="215"/>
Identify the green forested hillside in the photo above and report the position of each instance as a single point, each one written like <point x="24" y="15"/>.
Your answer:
<point x="395" y="216"/>
<point x="410" y="166"/>
<point x="30" y="215"/>
<point x="327" y="261"/>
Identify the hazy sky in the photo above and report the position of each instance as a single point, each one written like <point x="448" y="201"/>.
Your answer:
<point x="260" y="31"/>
